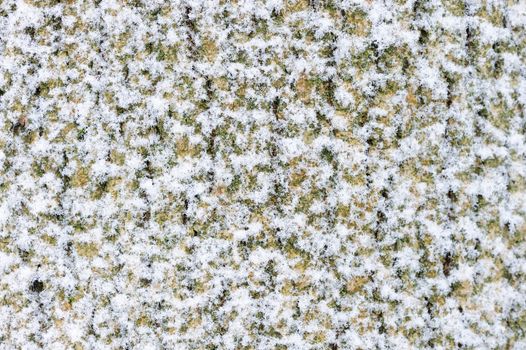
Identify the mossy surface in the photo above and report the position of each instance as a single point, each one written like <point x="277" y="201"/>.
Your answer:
<point x="262" y="175"/>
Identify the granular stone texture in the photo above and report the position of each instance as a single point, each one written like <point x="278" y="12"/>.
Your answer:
<point x="281" y="174"/>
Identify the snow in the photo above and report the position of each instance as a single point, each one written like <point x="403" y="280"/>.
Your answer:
<point x="262" y="174"/>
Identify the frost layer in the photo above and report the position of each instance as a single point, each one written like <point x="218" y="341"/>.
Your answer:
<point x="262" y="175"/>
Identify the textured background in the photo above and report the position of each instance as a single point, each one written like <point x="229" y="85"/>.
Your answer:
<point x="262" y="175"/>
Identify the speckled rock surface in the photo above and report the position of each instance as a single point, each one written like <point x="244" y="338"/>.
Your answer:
<point x="262" y="174"/>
